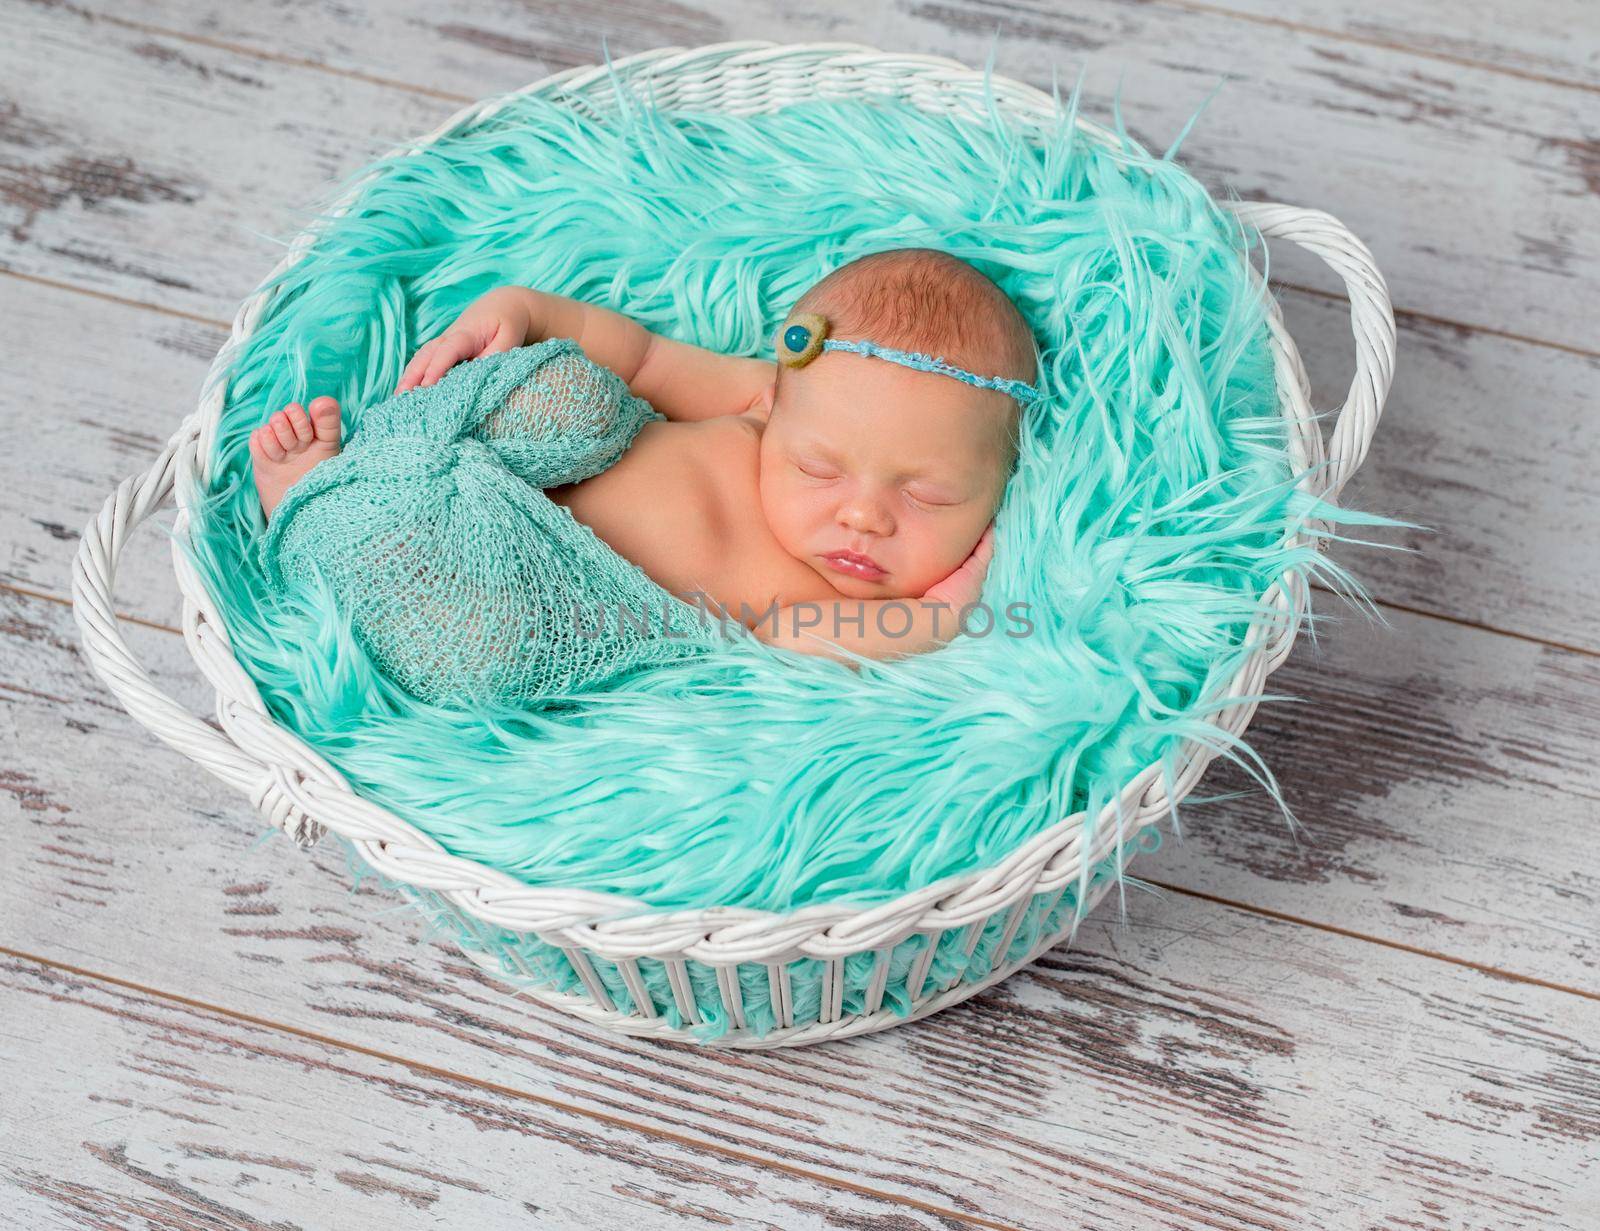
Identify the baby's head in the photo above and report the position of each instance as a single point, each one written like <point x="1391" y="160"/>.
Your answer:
<point x="903" y="466"/>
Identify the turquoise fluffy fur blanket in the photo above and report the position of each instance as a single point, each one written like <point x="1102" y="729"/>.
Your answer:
<point x="1148" y="514"/>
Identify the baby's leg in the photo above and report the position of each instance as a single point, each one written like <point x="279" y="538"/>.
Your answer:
<point x="558" y="418"/>
<point x="290" y="443"/>
<point x="433" y="533"/>
<point x="441" y="558"/>
<point x="548" y="413"/>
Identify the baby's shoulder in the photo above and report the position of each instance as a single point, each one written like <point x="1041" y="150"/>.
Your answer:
<point x="734" y="431"/>
<point x="752" y="423"/>
<point x="715" y="453"/>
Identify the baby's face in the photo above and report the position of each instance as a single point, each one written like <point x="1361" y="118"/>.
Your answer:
<point x="903" y="467"/>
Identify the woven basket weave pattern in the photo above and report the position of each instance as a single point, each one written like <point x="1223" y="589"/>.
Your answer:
<point x="658" y="974"/>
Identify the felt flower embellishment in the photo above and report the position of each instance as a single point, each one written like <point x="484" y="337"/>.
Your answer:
<point x="800" y="339"/>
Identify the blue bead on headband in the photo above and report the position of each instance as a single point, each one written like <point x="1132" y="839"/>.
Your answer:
<point x="804" y="336"/>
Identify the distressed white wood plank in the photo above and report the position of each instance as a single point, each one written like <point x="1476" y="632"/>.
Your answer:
<point x="1544" y="39"/>
<point x="89" y="423"/>
<point x="1478" y="191"/>
<point x="1486" y="445"/>
<point x="1201" y="1067"/>
<point x="1554" y="40"/>
<point x="149" y="178"/>
<point x="125" y="1109"/>
<point x="1447" y="791"/>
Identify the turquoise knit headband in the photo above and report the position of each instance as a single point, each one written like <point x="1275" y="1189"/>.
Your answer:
<point x="804" y="336"/>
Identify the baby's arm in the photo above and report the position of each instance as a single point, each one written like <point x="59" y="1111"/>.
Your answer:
<point x="679" y="380"/>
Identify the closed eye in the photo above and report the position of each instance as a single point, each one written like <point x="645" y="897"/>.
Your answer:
<point x="929" y="502"/>
<point x="815" y="471"/>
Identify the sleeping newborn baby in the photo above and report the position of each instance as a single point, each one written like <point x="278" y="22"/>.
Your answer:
<point x="555" y="495"/>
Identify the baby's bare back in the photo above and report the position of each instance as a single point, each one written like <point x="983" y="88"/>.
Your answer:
<point x="683" y="504"/>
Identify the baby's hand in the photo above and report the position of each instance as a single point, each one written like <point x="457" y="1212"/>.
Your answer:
<point x="492" y="323"/>
<point x="964" y="586"/>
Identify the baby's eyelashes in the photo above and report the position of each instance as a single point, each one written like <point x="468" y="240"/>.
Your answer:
<point x="919" y="497"/>
<point x="935" y="494"/>
<point x="932" y="505"/>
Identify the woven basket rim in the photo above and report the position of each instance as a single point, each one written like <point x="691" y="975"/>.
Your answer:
<point x="300" y="790"/>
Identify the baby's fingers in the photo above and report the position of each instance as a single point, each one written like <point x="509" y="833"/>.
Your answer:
<point x="975" y="568"/>
<point x="417" y="366"/>
<point x="506" y="337"/>
<point x="982" y="552"/>
<point x="436" y="358"/>
<point x="985" y="547"/>
<point x="453" y="348"/>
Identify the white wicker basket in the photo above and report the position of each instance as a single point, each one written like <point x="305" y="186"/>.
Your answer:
<point x="498" y="918"/>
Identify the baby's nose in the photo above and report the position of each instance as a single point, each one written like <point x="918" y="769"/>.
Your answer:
<point x="865" y="517"/>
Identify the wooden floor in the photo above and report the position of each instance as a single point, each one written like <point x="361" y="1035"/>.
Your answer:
<point x="1394" y="1023"/>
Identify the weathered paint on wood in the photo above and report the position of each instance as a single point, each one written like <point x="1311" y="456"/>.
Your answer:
<point x="1205" y="1066"/>
<point x="141" y="1111"/>
<point x="1477" y="190"/>
<point x="1551" y="41"/>
<point x="1477" y="444"/>
<point x="1215" y="1065"/>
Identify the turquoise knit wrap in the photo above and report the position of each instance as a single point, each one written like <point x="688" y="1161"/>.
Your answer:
<point x="463" y="580"/>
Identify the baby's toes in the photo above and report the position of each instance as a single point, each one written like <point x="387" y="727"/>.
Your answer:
<point x="284" y="430"/>
<point x="325" y="419"/>
<point x="301" y="423"/>
<point x="264" y="446"/>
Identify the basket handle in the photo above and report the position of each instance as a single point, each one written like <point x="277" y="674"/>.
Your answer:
<point x="94" y="574"/>
<point x="1371" y="319"/>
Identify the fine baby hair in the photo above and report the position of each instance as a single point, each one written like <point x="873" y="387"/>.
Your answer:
<point x="900" y="304"/>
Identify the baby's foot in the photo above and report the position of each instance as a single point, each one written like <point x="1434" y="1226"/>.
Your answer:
<point x="291" y="443"/>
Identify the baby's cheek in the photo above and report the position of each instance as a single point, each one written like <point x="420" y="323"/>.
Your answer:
<point x="957" y="547"/>
<point x="926" y="559"/>
<point x="796" y="518"/>
<point x="799" y="507"/>
<point x="778" y="501"/>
